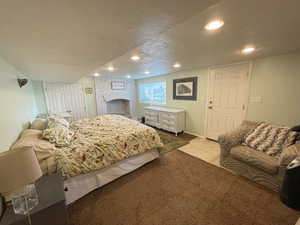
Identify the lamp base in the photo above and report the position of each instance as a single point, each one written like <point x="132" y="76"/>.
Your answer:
<point x="24" y="199"/>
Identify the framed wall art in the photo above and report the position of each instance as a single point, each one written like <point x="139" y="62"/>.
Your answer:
<point x="118" y="85"/>
<point x="185" y="88"/>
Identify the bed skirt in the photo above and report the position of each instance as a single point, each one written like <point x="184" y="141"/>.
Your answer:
<point x="79" y="186"/>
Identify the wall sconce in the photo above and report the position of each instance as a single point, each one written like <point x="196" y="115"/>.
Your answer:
<point x="22" y="82"/>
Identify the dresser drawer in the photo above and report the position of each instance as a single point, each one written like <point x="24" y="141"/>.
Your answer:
<point x="168" y="122"/>
<point x="151" y="123"/>
<point x="151" y="113"/>
<point x="151" y="118"/>
<point x="168" y="127"/>
<point x="170" y="116"/>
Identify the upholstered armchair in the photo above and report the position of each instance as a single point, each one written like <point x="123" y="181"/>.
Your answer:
<point x="255" y="165"/>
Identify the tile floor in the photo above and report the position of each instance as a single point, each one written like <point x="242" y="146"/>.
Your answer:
<point x="204" y="149"/>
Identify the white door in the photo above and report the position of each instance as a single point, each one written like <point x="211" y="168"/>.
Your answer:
<point x="62" y="97"/>
<point x="227" y="99"/>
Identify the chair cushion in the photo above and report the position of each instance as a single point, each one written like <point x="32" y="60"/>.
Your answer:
<point x="255" y="158"/>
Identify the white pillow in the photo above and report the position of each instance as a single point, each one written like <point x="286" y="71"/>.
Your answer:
<point x="39" y="124"/>
<point x="54" y="121"/>
<point x="59" y="135"/>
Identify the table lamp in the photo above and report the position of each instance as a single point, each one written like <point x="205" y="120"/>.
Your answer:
<point x="19" y="169"/>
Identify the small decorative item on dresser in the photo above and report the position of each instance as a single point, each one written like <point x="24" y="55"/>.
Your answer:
<point x="185" y="88"/>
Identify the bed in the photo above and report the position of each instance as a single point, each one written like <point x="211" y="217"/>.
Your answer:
<point x="90" y="153"/>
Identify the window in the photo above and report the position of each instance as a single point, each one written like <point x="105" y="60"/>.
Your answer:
<point x="153" y="93"/>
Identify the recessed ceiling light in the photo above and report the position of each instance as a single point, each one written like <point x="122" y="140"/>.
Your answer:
<point x="248" y="50"/>
<point x="176" y="65"/>
<point x="96" y="74"/>
<point x="135" y="58"/>
<point x="128" y="76"/>
<point x="147" y="72"/>
<point x="110" y="68"/>
<point x="214" y="25"/>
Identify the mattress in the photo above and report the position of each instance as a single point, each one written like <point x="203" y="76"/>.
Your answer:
<point x="78" y="186"/>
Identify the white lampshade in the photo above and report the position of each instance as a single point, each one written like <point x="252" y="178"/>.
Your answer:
<point x="18" y="168"/>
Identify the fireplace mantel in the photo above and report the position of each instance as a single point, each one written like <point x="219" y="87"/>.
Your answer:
<point x="105" y="94"/>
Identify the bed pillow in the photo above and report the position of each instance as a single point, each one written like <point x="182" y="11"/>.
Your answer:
<point x="33" y="138"/>
<point x="39" y="124"/>
<point x="59" y="135"/>
<point x="54" y="121"/>
<point x="270" y="139"/>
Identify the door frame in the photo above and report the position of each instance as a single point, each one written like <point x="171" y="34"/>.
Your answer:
<point x="250" y="69"/>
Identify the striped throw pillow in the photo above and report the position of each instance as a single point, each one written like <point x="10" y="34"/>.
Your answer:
<point x="270" y="139"/>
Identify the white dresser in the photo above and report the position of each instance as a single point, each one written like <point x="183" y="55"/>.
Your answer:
<point x="165" y="118"/>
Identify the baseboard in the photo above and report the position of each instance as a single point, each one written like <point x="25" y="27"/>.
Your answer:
<point x="197" y="135"/>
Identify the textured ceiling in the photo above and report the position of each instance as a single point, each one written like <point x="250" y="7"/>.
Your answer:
<point x="63" y="40"/>
<point x="270" y="25"/>
<point x="67" y="39"/>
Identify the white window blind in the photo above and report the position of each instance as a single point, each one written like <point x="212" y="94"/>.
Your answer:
<point x="153" y="93"/>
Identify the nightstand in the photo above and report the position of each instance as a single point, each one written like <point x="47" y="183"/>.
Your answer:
<point x="51" y="209"/>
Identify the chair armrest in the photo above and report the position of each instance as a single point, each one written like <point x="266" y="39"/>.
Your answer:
<point x="289" y="154"/>
<point x="229" y="140"/>
<point x="235" y="137"/>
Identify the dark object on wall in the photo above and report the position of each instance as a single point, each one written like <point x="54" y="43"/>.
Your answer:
<point x="143" y="120"/>
<point x="22" y="82"/>
<point x="185" y="89"/>
<point x="2" y="206"/>
<point x="296" y="128"/>
<point x="89" y="90"/>
<point x="290" y="194"/>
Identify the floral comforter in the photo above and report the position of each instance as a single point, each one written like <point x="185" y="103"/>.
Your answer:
<point x="103" y="141"/>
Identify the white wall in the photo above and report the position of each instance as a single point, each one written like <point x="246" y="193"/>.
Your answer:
<point x="276" y="81"/>
<point x="17" y="105"/>
<point x="86" y="82"/>
<point x="274" y="93"/>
